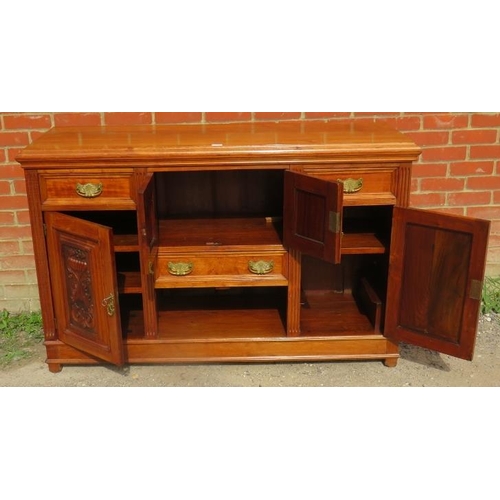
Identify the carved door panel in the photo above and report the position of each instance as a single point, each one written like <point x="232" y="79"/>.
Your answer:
<point x="435" y="280"/>
<point x="82" y="264"/>
<point x="147" y="223"/>
<point x="313" y="216"/>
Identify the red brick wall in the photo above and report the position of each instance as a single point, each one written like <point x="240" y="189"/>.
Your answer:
<point x="458" y="172"/>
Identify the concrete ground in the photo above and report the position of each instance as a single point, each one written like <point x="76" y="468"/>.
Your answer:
<point x="416" y="367"/>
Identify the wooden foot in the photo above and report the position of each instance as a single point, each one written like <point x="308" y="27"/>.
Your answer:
<point x="55" y="367"/>
<point x="390" y="362"/>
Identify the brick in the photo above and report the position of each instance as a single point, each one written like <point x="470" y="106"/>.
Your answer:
<point x="24" y="291"/>
<point x="485" y="120"/>
<point x="445" y="153"/>
<point x="485" y="152"/>
<point x="13" y="202"/>
<point x="467" y="198"/>
<point x="17" y="262"/>
<point x="3" y="155"/>
<point x="495" y="227"/>
<point x="17" y="231"/>
<point x="9" y="247"/>
<point x="427" y="199"/>
<point x="318" y="115"/>
<point x="403" y="123"/>
<point x="128" y="118"/>
<point x="471" y="168"/>
<point x="484" y="182"/>
<point x="14" y="139"/>
<point x="18" y="305"/>
<point x="491" y="212"/>
<point x="376" y="113"/>
<point x="429" y="138"/>
<point x="496" y="197"/>
<point x="451" y="210"/>
<point x="27" y="121"/>
<point x="76" y="119"/>
<point x="12" y="154"/>
<point x="277" y="116"/>
<point x="5" y="188"/>
<point x="429" y="170"/>
<point x="474" y="136"/>
<point x="187" y="117"/>
<point x="228" y="117"/>
<point x="13" y="277"/>
<point x="6" y="218"/>
<point x="23" y="217"/>
<point x="27" y="247"/>
<point x="31" y="276"/>
<point x="19" y="186"/>
<point x="35" y="134"/>
<point x="442" y="184"/>
<point x="445" y="121"/>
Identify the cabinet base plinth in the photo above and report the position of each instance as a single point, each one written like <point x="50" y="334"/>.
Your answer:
<point x="296" y="349"/>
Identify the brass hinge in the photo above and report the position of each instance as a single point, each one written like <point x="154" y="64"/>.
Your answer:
<point x="334" y="222"/>
<point x="476" y="289"/>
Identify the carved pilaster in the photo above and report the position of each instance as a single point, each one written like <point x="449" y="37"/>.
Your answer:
<point x="294" y="284"/>
<point x="41" y="262"/>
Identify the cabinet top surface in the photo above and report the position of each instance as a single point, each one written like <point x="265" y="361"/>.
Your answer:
<point x="240" y="142"/>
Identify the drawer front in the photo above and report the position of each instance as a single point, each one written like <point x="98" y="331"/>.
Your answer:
<point x="218" y="269"/>
<point x="87" y="191"/>
<point x="363" y="185"/>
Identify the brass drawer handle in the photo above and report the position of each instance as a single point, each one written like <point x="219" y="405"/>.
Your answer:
<point x="109" y="304"/>
<point x="89" y="190"/>
<point x="352" y="185"/>
<point x="260" y="266"/>
<point x="180" y="268"/>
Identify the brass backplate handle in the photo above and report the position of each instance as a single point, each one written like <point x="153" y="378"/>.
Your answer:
<point x="89" y="190"/>
<point x="260" y="266"/>
<point x="351" y="185"/>
<point x="109" y="304"/>
<point x="180" y="268"/>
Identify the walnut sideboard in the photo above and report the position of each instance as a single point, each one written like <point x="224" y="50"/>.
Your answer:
<point x="244" y="243"/>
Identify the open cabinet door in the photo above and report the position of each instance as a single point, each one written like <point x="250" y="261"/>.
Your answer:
<point x="86" y="300"/>
<point x="147" y="223"/>
<point x="435" y="280"/>
<point x="313" y="216"/>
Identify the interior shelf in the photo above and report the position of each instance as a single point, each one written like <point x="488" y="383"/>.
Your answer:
<point x="129" y="282"/>
<point x="213" y="314"/>
<point x="362" y="243"/>
<point x="221" y="233"/>
<point x="125" y="242"/>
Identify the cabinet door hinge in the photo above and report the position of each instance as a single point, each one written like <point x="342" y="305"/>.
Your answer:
<point x="476" y="289"/>
<point x="334" y="222"/>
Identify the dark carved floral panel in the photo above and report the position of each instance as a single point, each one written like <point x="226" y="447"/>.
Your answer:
<point x="79" y="288"/>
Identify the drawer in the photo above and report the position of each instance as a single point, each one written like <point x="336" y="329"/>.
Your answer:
<point x="87" y="191"/>
<point x="219" y="269"/>
<point x="363" y="185"/>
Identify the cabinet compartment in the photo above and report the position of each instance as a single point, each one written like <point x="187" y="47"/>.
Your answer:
<point x="366" y="230"/>
<point x="343" y="299"/>
<point x="212" y="313"/>
<point x="220" y="193"/>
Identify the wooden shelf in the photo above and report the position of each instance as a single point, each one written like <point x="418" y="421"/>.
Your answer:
<point x="220" y="233"/>
<point x="129" y="282"/>
<point x="362" y="243"/>
<point x="125" y="243"/>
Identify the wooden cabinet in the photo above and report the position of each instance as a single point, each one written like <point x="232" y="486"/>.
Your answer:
<point x="244" y="242"/>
